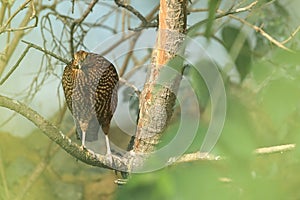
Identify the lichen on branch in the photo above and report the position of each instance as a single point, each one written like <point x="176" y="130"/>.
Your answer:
<point x="159" y="94"/>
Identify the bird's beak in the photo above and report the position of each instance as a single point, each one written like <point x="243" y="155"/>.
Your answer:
<point x="76" y="64"/>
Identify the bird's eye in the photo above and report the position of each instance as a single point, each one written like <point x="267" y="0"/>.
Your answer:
<point x="76" y="64"/>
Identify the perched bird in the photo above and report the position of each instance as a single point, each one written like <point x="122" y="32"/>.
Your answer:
<point x="90" y="84"/>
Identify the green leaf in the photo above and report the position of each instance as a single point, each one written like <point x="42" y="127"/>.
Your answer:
<point x="238" y="46"/>
<point x="213" y="5"/>
<point x="198" y="84"/>
<point x="243" y="63"/>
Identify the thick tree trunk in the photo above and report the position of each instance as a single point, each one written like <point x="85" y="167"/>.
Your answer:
<point x="159" y="94"/>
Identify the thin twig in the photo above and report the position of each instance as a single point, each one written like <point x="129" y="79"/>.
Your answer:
<point x="21" y="7"/>
<point x="262" y="32"/>
<point x="133" y="11"/>
<point x="64" y="60"/>
<point x="22" y="28"/>
<point x="133" y="43"/>
<point x="12" y="43"/>
<point x="15" y="66"/>
<point x="73" y="5"/>
<point x="291" y="36"/>
<point x="135" y="89"/>
<point x="222" y="14"/>
<point x="141" y="61"/>
<point x="2" y="11"/>
<point x="275" y="149"/>
<point x="128" y="56"/>
<point x="206" y="156"/>
<point x="256" y="28"/>
<point x="196" y="156"/>
<point x="118" y="42"/>
<point x="198" y="10"/>
<point x="246" y="8"/>
<point x="86" y="12"/>
<point x="79" y="21"/>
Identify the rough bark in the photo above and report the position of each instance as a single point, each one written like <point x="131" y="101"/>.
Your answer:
<point x="159" y="94"/>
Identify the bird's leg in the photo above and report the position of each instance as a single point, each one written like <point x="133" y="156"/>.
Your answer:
<point x="83" y="127"/>
<point x="83" y="140"/>
<point x="108" y="151"/>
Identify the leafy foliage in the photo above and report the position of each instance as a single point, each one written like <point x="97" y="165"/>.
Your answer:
<point x="237" y="44"/>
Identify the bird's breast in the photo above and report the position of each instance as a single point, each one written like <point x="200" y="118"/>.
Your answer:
<point x="82" y="96"/>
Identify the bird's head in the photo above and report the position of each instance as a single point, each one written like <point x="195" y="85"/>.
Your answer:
<point x="79" y="57"/>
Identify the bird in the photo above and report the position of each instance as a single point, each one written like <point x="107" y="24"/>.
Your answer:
<point x="90" y="84"/>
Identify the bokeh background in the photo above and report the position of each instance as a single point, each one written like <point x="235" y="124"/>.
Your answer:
<point x="262" y="96"/>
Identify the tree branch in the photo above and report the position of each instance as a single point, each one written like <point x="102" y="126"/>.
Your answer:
<point x="291" y="36"/>
<point x="124" y="163"/>
<point x="58" y="137"/>
<point x="157" y="100"/>
<point x="262" y="32"/>
<point x="64" y="60"/>
<point x="15" y="66"/>
<point x="275" y="149"/>
<point x="133" y="11"/>
<point x="206" y="156"/>
<point x="192" y="29"/>
<point x="11" y="46"/>
<point x="79" y="21"/>
<point x="31" y="45"/>
<point x="21" y="7"/>
<point x="230" y="13"/>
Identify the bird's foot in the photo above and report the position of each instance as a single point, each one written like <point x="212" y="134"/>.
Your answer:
<point x="91" y="152"/>
<point x="82" y="147"/>
<point x="109" y="158"/>
<point x="121" y="181"/>
<point x="132" y="153"/>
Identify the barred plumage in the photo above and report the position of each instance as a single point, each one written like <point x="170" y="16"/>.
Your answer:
<point x="90" y="84"/>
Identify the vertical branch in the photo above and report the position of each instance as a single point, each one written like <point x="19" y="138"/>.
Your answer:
<point x="2" y="12"/>
<point x="159" y="94"/>
<point x="79" y="21"/>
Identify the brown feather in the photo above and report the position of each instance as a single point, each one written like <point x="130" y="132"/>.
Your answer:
<point x="90" y="84"/>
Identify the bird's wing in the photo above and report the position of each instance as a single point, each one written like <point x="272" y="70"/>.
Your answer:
<point x="68" y="85"/>
<point x="105" y="84"/>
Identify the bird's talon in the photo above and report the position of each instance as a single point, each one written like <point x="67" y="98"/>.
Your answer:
<point x="82" y="147"/>
<point x="92" y="153"/>
<point x="121" y="181"/>
<point x="109" y="159"/>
